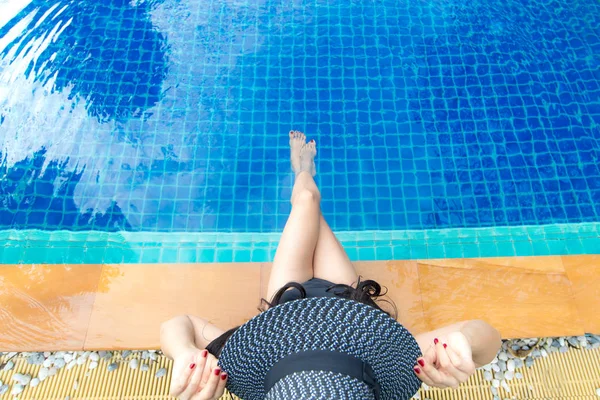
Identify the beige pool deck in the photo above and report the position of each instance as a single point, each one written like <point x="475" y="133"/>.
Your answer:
<point x="100" y="307"/>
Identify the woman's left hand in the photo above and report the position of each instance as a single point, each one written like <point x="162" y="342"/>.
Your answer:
<point x="447" y="363"/>
<point x="214" y="387"/>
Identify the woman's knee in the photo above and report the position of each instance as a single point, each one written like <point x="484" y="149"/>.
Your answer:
<point x="306" y="196"/>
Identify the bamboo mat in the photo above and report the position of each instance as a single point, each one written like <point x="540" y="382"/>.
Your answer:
<point x="571" y="375"/>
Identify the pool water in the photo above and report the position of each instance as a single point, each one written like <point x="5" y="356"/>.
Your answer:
<point x="149" y="122"/>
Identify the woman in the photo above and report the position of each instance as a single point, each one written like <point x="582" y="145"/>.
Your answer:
<point x="326" y="338"/>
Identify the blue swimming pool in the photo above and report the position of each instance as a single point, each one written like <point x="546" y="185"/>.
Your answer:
<point x="165" y="121"/>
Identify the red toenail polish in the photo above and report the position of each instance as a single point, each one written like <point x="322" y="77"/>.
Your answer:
<point x="223" y="377"/>
<point x="217" y="371"/>
<point x="417" y="370"/>
<point x="421" y="362"/>
<point x="192" y="366"/>
<point x="445" y="345"/>
<point x="435" y="341"/>
<point x="204" y="353"/>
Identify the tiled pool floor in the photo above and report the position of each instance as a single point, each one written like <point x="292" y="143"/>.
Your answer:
<point x="52" y="307"/>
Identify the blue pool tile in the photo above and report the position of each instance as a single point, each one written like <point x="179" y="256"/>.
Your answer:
<point x="242" y="255"/>
<point x="150" y="255"/>
<point x="366" y="253"/>
<point x="169" y="255"/>
<point x="401" y="252"/>
<point x="436" y="251"/>
<point x="418" y="251"/>
<point x="505" y="248"/>
<point x="224" y="255"/>
<point x="383" y="252"/>
<point x="523" y="248"/>
<point x="187" y="255"/>
<point x="206" y="255"/>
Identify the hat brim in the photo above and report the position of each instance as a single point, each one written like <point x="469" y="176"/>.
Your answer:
<point x="322" y="323"/>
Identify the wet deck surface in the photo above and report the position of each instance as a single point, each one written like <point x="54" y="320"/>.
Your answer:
<point x="74" y="307"/>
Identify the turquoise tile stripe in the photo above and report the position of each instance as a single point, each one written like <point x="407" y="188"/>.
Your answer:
<point x="92" y="247"/>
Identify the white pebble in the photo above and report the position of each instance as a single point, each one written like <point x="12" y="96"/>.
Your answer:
<point x="94" y="356"/>
<point x="34" y="382"/>
<point x="161" y="372"/>
<point x="47" y="363"/>
<point x="9" y="365"/>
<point x="111" y="367"/>
<point x="152" y="356"/>
<point x="561" y="341"/>
<point x="564" y="349"/>
<point x="52" y="371"/>
<point x="505" y="386"/>
<point x="133" y="364"/>
<point x="509" y="375"/>
<point x="3" y="389"/>
<point x="43" y="374"/>
<point x="510" y="365"/>
<point x="502" y="356"/>
<point x="145" y="355"/>
<point x="144" y="367"/>
<point x="487" y="367"/>
<point x="496" y="367"/>
<point x="72" y="364"/>
<point x="487" y="375"/>
<point x="75" y="385"/>
<point x="47" y="354"/>
<point x="496" y="383"/>
<point x="81" y="360"/>
<point x="93" y="365"/>
<point x="126" y="353"/>
<point x="528" y="362"/>
<point x="598" y="392"/>
<point x="494" y="391"/>
<point x="544" y="353"/>
<point x="22" y="379"/>
<point x="59" y="363"/>
<point x="68" y="357"/>
<point x="499" y="375"/>
<point x="519" y="375"/>
<point x="502" y="365"/>
<point x="60" y="354"/>
<point x="17" y="389"/>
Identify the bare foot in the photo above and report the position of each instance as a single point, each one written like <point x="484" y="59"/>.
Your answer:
<point x="307" y="158"/>
<point x="297" y="141"/>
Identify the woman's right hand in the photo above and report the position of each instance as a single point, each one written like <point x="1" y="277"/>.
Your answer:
<point x="196" y="376"/>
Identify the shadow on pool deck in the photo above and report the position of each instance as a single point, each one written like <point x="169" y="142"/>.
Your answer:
<point x="73" y="307"/>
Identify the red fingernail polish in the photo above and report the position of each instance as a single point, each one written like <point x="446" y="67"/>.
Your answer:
<point x="204" y="353"/>
<point x="421" y="362"/>
<point x="417" y="370"/>
<point x="445" y="345"/>
<point x="223" y="377"/>
<point x="192" y="366"/>
<point x="217" y="371"/>
<point x="435" y="341"/>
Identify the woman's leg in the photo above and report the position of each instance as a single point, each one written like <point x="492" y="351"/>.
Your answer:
<point x="294" y="257"/>
<point x="331" y="261"/>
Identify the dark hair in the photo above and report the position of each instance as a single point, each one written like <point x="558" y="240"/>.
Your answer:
<point x="366" y="292"/>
